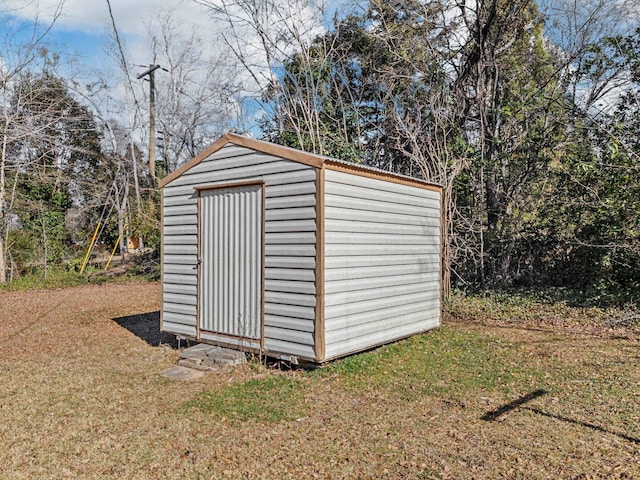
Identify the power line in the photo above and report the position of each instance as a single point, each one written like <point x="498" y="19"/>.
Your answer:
<point x="123" y="59"/>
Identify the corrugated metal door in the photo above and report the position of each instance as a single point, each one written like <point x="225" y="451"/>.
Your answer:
<point x="231" y="261"/>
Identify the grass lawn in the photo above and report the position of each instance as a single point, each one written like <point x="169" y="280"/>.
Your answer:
<point x="502" y="390"/>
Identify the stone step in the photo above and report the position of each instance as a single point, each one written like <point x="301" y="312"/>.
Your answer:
<point x="210" y="357"/>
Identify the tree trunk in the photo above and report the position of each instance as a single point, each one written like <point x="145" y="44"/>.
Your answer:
<point x="44" y="242"/>
<point x="446" y="230"/>
<point x="3" y="181"/>
<point x="3" y="274"/>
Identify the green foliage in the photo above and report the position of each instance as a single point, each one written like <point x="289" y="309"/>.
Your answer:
<point x="594" y="216"/>
<point x="57" y="277"/>
<point x="445" y="363"/>
<point x="591" y="305"/>
<point x="145" y="223"/>
<point x="275" y="399"/>
<point x="48" y="169"/>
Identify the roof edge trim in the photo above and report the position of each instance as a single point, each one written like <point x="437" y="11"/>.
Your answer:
<point x="288" y="153"/>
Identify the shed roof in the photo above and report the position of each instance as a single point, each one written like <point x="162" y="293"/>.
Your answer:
<point x="311" y="159"/>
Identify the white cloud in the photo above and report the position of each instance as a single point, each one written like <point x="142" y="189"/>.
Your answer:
<point x="135" y="19"/>
<point x="93" y="16"/>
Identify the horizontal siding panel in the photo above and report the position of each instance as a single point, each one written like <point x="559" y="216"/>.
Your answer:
<point x="354" y="297"/>
<point x="177" y="200"/>
<point x="379" y="185"/>
<point x="234" y="156"/>
<point x="354" y="226"/>
<point x="288" y="310"/>
<point x="178" y="298"/>
<point x="358" y="261"/>
<point x="179" y="288"/>
<point x="290" y="179"/>
<point x="368" y="205"/>
<point x="358" y="307"/>
<point x="181" y="210"/>
<point x="289" y="335"/>
<point x="429" y="280"/>
<point x="297" y="299"/>
<point x="181" y="269"/>
<point x="232" y="150"/>
<point x="175" y="230"/>
<point x="350" y="345"/>
<point x="306" y="175"/>
<point x="290" y="250"/>
<point x="177" y="328"/>
<point x="305" y="263"/>
<point x="180" y="239"/>
<point x="176" y="318"/>
<point x="221" y="161"/>
<point x="207" y="173"/>
<point x="291" y="226"/>
<point x="406" y="310"/>
<point x="372" y="272"/>
<point x="188" y="310"/>
<point x="341" y="250"/>
<point x="288" y="286"/>
<point x="179" y="279"/>
<point x="334" y="214"/>
<point x="288" y="322"/>
<point x="278" y="346"/>
<point x="384" y="239"/>
<point x="180" y="249"/>
<point x="289" y="202"/>
<point x="409" y="196"/>
<point x="179" y="260"/>
<point x="277" y="215"/>
<point x="180" y="220"/>
<point x="301" y="275"/>
<point x="290" y="238"/>
<point x="174" y="189"/>
<point x="361" y="330"/>
<point x="307" y="187"/>
<point x="250" y="166"/>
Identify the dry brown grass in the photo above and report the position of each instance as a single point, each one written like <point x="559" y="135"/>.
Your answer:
<point x="82" y="397"/>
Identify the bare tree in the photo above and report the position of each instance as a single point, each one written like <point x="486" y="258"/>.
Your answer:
<point x="18" y="57"/>
<point x="195" y="90"/>
<point x="263" y="35"/>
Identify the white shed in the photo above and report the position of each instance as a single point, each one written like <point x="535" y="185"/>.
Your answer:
<point x="298" y="256"/>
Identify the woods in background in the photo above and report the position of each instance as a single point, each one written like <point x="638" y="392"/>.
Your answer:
<point x="527" y="119"/>
<point x="527" y="114"/>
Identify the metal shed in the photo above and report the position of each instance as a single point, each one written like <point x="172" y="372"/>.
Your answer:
<point x="302" y="257"/>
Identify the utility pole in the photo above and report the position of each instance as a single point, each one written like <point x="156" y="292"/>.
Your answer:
<point x="152" y="118"/>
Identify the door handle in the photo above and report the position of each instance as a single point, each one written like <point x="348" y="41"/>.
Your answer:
<point x="197" y="264"/>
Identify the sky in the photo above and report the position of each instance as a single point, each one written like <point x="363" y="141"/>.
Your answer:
<point x="83" y="29"/>
<point x="82" y="32"/>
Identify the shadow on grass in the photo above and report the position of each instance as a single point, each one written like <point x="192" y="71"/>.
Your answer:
<point x="584" y="424"/>
<point x="494" y="414"/>
<point x="519" y="402"/>
<point x="147" y="327"/>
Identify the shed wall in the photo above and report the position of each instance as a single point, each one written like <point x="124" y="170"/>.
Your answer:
<point x="290" y="243"/>
<point x="382" y="261"/>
